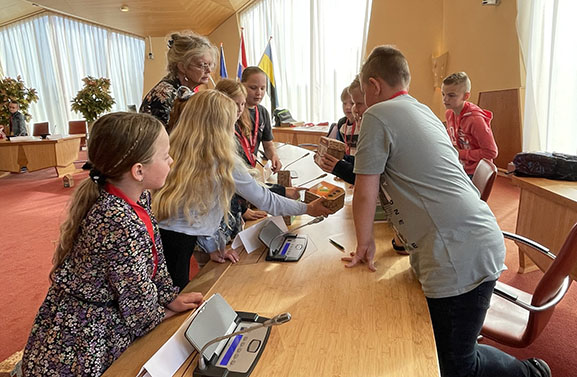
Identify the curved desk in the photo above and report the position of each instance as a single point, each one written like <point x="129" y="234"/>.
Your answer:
<point x="344" y="322"/>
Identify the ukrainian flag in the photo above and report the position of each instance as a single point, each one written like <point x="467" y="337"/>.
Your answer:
<point x="266" y="65"/>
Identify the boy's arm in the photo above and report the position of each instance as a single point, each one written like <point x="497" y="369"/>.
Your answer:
<point x="483" y="135"/>
<point x="364" y="204"/>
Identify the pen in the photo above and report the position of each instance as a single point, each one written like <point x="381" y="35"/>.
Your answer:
<point x="337" y="245"/>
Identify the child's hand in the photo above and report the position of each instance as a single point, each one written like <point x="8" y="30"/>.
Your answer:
<point x="317" y="208"/>
<point x="251" y="214"/>
<point x="294" y="192"/>
<point x="326" y="162"/>
<point x="184" y="302"/>
<point x="276" y="163"/>
<point x="364" y="254"/>
<point x="221" y="257"/>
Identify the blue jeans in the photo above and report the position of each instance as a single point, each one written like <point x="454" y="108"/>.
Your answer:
<point x="457" y="321"/>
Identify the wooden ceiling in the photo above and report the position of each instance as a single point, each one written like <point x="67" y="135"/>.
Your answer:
<point x="145" y="17"/>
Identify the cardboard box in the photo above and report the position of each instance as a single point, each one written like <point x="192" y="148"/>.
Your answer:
<point x="334" y="195"/>
<point x="332" y="147"/>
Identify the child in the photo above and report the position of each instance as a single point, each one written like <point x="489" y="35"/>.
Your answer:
<point x="17" y="121"/>
<point x="254" y="80"/>
<point x="109" y="281"/>
<point x="346" y="125"/>
<point x="344" y="168"/>
<point x="467" y="124"/>
<point x="207" y="171"/>
<point x="457" y="247"/>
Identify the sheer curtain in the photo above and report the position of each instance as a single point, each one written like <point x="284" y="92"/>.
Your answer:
<point x="53" y="53"/>
<point x="547" y="29"/>
<point x="317" y="47"/>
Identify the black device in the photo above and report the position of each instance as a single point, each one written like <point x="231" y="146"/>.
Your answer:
<point x="282" y="247"/>
<point x="230" y="343"/>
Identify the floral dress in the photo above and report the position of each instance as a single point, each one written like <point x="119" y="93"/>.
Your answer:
<point x="103" y="296"/>
<point x="159" y="100"/>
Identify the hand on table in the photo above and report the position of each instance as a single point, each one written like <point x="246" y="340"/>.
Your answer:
<point x="326" y="162"/>
<point x="183" y="302"/>
<point x="364" y="254"/>
<point x="221" y="257"/>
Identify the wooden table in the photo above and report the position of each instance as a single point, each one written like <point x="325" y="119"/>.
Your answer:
<point x="299" y="135"/>
<point x="40" y="154"/>
<point x="345" y="322"/>
<point x="547" y="212"/>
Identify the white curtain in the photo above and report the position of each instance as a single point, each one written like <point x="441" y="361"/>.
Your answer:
<point x="53" y="53"/>
<point x="547" y="31"/>
<point x="318" y="46"/>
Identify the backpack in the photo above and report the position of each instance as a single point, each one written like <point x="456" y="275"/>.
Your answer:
<point x="282" y="117"/>
<point x="546" y="165"/>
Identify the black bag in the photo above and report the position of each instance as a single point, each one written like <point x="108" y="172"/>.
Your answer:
<point x="282" y="116"/>
<point x="546" y="165"/>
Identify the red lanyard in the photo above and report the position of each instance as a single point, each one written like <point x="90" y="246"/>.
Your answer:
<point x="142" y="215"/>
<point x="399" y="93"/>
<point x="244" y="143"/>
<point x="347" y="146"/>
<point x="255" y="131"/>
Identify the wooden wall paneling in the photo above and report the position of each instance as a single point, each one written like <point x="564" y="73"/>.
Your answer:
<point x="506" y="123"/>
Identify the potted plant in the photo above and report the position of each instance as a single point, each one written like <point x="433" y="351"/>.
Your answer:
<point x="14" y="90"/>
<point x="93" y="99"/>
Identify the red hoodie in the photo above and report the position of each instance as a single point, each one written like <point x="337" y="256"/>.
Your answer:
<point x="471" y="134"/>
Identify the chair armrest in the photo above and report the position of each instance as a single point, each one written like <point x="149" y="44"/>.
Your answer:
<point x="532" y="244"/>
<point x="551" y="303"/>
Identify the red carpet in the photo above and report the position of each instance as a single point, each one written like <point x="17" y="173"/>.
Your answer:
<point x="32" y="206"/>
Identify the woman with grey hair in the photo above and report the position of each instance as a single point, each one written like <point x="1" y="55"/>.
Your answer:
<point x="191" y="59"/>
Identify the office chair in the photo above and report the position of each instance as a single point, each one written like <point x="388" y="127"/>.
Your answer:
<point x="484" y="177"/>
<point x="516" y="318"/>
<point x="41" y="129"/>
<point x="78" y="127"/>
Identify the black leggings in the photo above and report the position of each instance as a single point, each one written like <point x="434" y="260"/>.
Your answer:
<point x="178" y="248"/>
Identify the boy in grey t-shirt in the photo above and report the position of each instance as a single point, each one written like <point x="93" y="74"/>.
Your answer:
<point x="456" y="247"/>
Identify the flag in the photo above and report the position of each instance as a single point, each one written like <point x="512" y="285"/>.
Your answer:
<point x="223" y="73"/>
<point x="242" y="64"/>
<point x="266" y="65"/>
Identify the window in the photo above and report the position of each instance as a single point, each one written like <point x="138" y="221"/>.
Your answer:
<point x="317" y="47"/>
<point x="53" y="53"/>
<point x="546" y="31"/>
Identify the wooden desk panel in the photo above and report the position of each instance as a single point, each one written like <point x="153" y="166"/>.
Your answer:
<point x="40" y="154"/>
<point x="345" y="322"/>
<point x="299" y="135"/>
<point x="547" y="212"/>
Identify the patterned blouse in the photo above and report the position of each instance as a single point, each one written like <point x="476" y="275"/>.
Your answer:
<point x="159" y="100"/>
<point x="103" y="296"/>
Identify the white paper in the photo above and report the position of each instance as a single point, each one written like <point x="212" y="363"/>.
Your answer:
<point x="166" y="361"/>
<point x="249" y="237"/>
<point x="267" y="170"/>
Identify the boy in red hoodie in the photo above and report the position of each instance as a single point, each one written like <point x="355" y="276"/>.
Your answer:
<point x="468" y="125"/>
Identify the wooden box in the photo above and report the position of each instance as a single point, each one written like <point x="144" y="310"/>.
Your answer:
<point x="334" y="195"/>
<point x="331" y="146"/>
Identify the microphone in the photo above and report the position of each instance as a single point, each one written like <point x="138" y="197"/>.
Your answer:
<point x="316" y="220"/>
<point x="274" y="321"/>
<point x="298" y="159"/>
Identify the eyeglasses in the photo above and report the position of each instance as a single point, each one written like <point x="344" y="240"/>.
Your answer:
<point x="206" y="67"/>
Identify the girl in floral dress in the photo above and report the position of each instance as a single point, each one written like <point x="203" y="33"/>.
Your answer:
<point x="110" y="284"/>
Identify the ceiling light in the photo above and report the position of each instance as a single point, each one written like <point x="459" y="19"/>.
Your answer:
<point x="124" y="8"/>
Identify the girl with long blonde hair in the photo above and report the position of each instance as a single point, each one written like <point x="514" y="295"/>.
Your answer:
<point x="110" y="284"/>
<point x="206" y="172"/>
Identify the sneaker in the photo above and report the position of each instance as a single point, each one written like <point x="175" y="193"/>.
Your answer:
<point x="538" y="367"/>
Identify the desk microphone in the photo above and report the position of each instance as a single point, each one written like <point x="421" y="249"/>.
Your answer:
<point x="298" y="159"/>
<point x="316" y="220"/>
<point x="276" y="320"/>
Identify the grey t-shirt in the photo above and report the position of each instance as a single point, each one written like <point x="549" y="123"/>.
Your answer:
<point x="454" y="241"/>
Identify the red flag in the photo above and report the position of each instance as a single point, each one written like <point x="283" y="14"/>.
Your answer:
<point x="242" y="63"/>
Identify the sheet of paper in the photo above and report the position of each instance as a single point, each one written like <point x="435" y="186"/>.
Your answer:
<point x="267" y="170"/>
<point x="166" y="361"/>
<point x="249" y="237"/>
